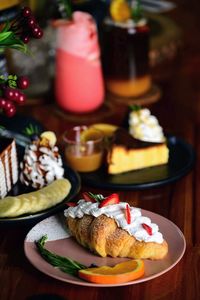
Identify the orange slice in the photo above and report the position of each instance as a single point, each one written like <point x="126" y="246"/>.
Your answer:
<point x="91" y="134"/>
<point x="122" y="272"/>
<point x="120" y="10"/>
<point x="107" y="129"/>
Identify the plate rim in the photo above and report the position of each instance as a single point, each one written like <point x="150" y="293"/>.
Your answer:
<point x="151" y="184"/>
<point x="81" y="282"/>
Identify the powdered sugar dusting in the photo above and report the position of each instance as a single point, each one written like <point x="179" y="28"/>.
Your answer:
<point x="54" y="227"/>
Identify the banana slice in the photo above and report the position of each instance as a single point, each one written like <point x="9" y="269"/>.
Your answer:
<point x="36" y="201"/>
<point x="50" y="136"/>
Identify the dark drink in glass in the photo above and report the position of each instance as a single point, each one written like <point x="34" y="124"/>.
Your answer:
<point x="125" y="48"/>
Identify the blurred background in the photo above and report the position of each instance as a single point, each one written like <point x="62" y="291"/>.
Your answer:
<point x="166" y="39"/>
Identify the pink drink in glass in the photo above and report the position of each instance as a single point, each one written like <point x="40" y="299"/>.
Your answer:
<point x="79" y="85"/>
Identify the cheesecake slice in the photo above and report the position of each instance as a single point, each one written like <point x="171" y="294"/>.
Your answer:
<point x="127" y="153"/>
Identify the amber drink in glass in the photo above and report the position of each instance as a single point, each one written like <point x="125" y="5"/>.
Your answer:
<point x="125" y="48"/>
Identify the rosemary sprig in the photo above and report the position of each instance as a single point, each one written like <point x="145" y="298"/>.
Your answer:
<point x="97" y="197"/>
<point x="65" y="264"/>
<point x="65" y="8"/>
<point x="137" y="11"/>
<point x="30" y="130"/>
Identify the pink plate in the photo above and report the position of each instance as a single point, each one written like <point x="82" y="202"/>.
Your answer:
<point x="60" y="243"/>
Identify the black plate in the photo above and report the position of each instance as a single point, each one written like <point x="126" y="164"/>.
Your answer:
<point x="16" y="125"/>
<point x="181" y="161"/>
<point x="19" y="122"/>
<point x="70" y="174"/>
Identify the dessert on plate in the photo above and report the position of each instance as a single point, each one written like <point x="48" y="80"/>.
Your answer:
<point x="42" y="163"/>
<point x="8" y="165"/>
<point x="143" y="146"/>
<point x="109" y="227"/>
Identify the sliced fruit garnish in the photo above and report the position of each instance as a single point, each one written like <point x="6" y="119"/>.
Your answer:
<point x="147" y="228"/>
<point x="91" y="134"/>
<point x="88" y="197"/>
<point x="122" y="272"/>
<point x="128" y="214"/>
<point x="50" y="136"/>
<point x="108" y="129"/>
<point x="120" y="11"/>
<point x="112" y="199"/>
<point x="71" y="204"/>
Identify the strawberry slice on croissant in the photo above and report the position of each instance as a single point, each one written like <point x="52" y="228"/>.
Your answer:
<point x="107" y="231"/>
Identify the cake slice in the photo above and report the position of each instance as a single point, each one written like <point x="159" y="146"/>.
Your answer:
<point x="127" y="153"/>
<point x="8" y="165"/>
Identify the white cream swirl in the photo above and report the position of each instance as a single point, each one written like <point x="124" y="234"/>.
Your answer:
<point x="117" y="212"/>
<point x="41" y="165"/>
<point x="144" y="126"/>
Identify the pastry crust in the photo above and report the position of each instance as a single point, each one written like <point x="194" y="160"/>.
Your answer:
<point x="102" y="236"/>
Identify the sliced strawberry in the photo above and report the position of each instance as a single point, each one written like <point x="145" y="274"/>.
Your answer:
<point x="128" y="214"/>
<point x="88" y="197"/>
<point x="147" y="228"/>
<point x="73" y="204"/>
<point x="112" y="199"/>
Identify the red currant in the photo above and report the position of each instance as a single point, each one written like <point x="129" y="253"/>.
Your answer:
<point x="26" y="12"/>
<point x="36" y="31"/>
<point x="22" y="82"/>
<point x="2" y="102"/>
<point x="11" y="111"/>
<point x="9" y="93"/>
<point x="21" y="99"/>
<point x="25" y="39"/>
<point x="31" y="22"/>
<point x="8" y="104"/>
<point x="39" y="34"/>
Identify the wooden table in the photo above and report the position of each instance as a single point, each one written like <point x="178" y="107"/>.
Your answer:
<point x="178" y="112"/>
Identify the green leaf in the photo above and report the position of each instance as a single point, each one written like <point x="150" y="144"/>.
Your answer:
<point x="65" y="264"/>
<point x="65" y="8"/>
<point x="6" y="27"/>
<point x="5" y="36"/>
<point x="30" y="130"/>
<point x="9" y="40"/>
<point x="135" y="107"/>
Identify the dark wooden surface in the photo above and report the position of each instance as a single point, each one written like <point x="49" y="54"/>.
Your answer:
<point x="179" y="112"/>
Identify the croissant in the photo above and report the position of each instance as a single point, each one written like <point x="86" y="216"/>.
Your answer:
<point x="102" y="236"/>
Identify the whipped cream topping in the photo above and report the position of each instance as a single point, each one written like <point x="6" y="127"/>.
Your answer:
<point x="144" y="126"/>
<point x="41" y="165"/>
<point x="117" y="212"/>
<point x="79" y="37"/>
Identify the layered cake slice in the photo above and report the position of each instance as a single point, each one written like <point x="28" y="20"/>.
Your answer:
<point x="8" y="165"/>
<point x="127" y="153"/>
